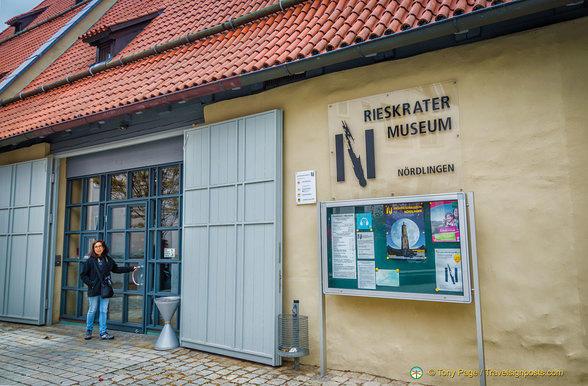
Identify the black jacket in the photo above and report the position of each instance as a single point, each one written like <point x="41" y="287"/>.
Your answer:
<point x="91" y="278"/>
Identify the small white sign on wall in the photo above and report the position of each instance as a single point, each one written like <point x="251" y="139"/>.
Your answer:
<point x="306" y="187"/>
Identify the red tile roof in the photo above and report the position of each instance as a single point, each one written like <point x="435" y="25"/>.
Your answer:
<point x="15" y="50"/>
<point x="310" y="28"/>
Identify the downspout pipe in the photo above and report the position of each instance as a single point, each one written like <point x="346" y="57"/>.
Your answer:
<point x="457" y="24"/>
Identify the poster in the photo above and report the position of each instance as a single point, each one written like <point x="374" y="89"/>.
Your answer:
<point x="405" y="231"/>
<point x="305" y="187"/>
<point x="365" y="245"/>
<point x="343" y="246"/>
<point x="448" y="270"/>
<point x="444" y="221"/>
<point x="366" y="272"/>
<point x="388" y="277"/>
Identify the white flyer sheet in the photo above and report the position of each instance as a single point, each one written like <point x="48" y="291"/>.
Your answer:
<point x="343" y="246"/>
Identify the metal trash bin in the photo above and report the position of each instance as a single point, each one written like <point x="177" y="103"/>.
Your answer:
<point x="293" y="335"/>
<point x="167" y="306"/>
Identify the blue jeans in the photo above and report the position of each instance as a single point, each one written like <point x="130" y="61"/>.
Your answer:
<point x="92" y="306"/>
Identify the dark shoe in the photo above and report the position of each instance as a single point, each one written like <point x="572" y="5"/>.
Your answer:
<point x="106" y="336"/>
<point x="88" y="335"/>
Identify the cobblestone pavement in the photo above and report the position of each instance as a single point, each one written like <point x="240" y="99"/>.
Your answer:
<point x="58" y="354"/>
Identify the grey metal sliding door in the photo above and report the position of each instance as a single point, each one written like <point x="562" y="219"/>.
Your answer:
<point x="231" y="286"/>
<point x="24" y="203"/>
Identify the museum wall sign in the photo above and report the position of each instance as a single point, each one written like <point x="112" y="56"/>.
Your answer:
<point x="399" y="143"/>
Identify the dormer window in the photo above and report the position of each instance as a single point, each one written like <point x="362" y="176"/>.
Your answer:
<point x="110" y="42"/>
<point x="21" y="22"/>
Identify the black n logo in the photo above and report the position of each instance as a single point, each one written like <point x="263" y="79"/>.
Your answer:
<point x="355" y="160"/>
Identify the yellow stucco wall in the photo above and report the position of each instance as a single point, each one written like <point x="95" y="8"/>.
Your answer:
<point x="522" y="121"/>
<point x="26" y="154"/>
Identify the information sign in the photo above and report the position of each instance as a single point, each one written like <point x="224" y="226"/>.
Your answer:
<point x="413" y="247"/>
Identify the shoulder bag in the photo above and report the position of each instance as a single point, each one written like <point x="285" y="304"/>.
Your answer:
<point x="106" y="290"/>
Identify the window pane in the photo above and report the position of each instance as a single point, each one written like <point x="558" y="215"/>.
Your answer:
<point x="169" y="245"/>
<point x="118" y="186"/>
<point x="137" y="248"/>
<point x="140" y="183"/>
<point x="72" y="274"/>
<point x="73" y="245"/>
<point x="169" y="212"/>
<point x="75" y="215"/>
<point x="117" y="245"/>
<point x="118" y="278"/>
<point x="92" y="213"/>
<point x="93" y="192"/>
<point x="135" y="304"/>
<point x="88" y="246"/>
<point x="71" y="298"/>
<point x="118" y="218"/>
<point x="75" y="193"/>
<point x="170" y="180"/>
<point x="115" y="308"/>
<point x="138" y="216"/>
<point x="169" y="277"/>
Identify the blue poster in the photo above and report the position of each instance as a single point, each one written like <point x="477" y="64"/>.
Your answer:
<point x="364" y="221"/>
<point x="405" y="231"/>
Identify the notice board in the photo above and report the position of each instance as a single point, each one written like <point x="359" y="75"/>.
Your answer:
<point x="413" y="247"/>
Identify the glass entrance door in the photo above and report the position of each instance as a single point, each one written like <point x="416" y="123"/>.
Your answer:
<point x="126" y="234"/>
<point x="138" y="213"/>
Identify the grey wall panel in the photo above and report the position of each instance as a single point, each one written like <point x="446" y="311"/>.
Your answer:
<point x="23" y="241"/>
<point x="223" y="153"/>
<point x="258" y="289"/>
<point x="221" y="292"/>
<point x="196" y="207"/>
<point x="198" y="157"/>
<point x="22" y="184"/>
<point x="194" y="283"/>
<point x="17" y="277"/>
<point x="232" y="175"/>
<point x="167" y="150"/>
<point x="260" y="201"/>
<point x="223" y="205"/>
<point x="5" y="186"/>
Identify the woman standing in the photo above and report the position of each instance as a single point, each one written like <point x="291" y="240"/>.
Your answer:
<point x="99" y="259"/>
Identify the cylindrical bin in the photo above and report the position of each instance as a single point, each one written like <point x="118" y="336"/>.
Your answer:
<point x="167" y="306"/>
<point x="293" y="334"/>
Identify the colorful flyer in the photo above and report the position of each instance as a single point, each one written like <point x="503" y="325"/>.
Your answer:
<point x="445" y="221"/>
<point x="448" y="270"/>
<point x="405" y="231"/>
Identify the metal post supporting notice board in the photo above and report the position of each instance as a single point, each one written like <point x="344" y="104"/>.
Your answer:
<point x="476" y="289"/>
<point x="322" y="321"/>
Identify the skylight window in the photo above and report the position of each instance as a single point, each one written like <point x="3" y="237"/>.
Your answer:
<point x="112" y="41"/>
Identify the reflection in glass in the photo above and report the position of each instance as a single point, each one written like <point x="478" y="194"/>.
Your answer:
<point x="170" y="180"/>
<point x="169" y="245"/>
<point x="137" y="247"/>
<point x="138" y="216"/>
<point x="75" y="216"/>
<point x="117" y="245"/>
<point x="88" y="246"/>
<point x="135" y="313"/>
<point x="115" y="309"/>
<point x="72" y="274"/>
<point x="118" y="218"/>
<point x="118" y="278"/>
<point x="93" y="186"/>
<point x="71" y="298"/>
<point x="92" y="213"/>
<point x="85" y="307"/>
<point x="140" y="183"/>
<point x="118" y="186"/>
<point x="75" y="193"/>
<point x="168" y="277"/>
<point x="169" y="212"/>
<point x="73" y="244"/>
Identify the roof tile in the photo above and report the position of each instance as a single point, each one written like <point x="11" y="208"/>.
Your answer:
<point x="310" y="28"/>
